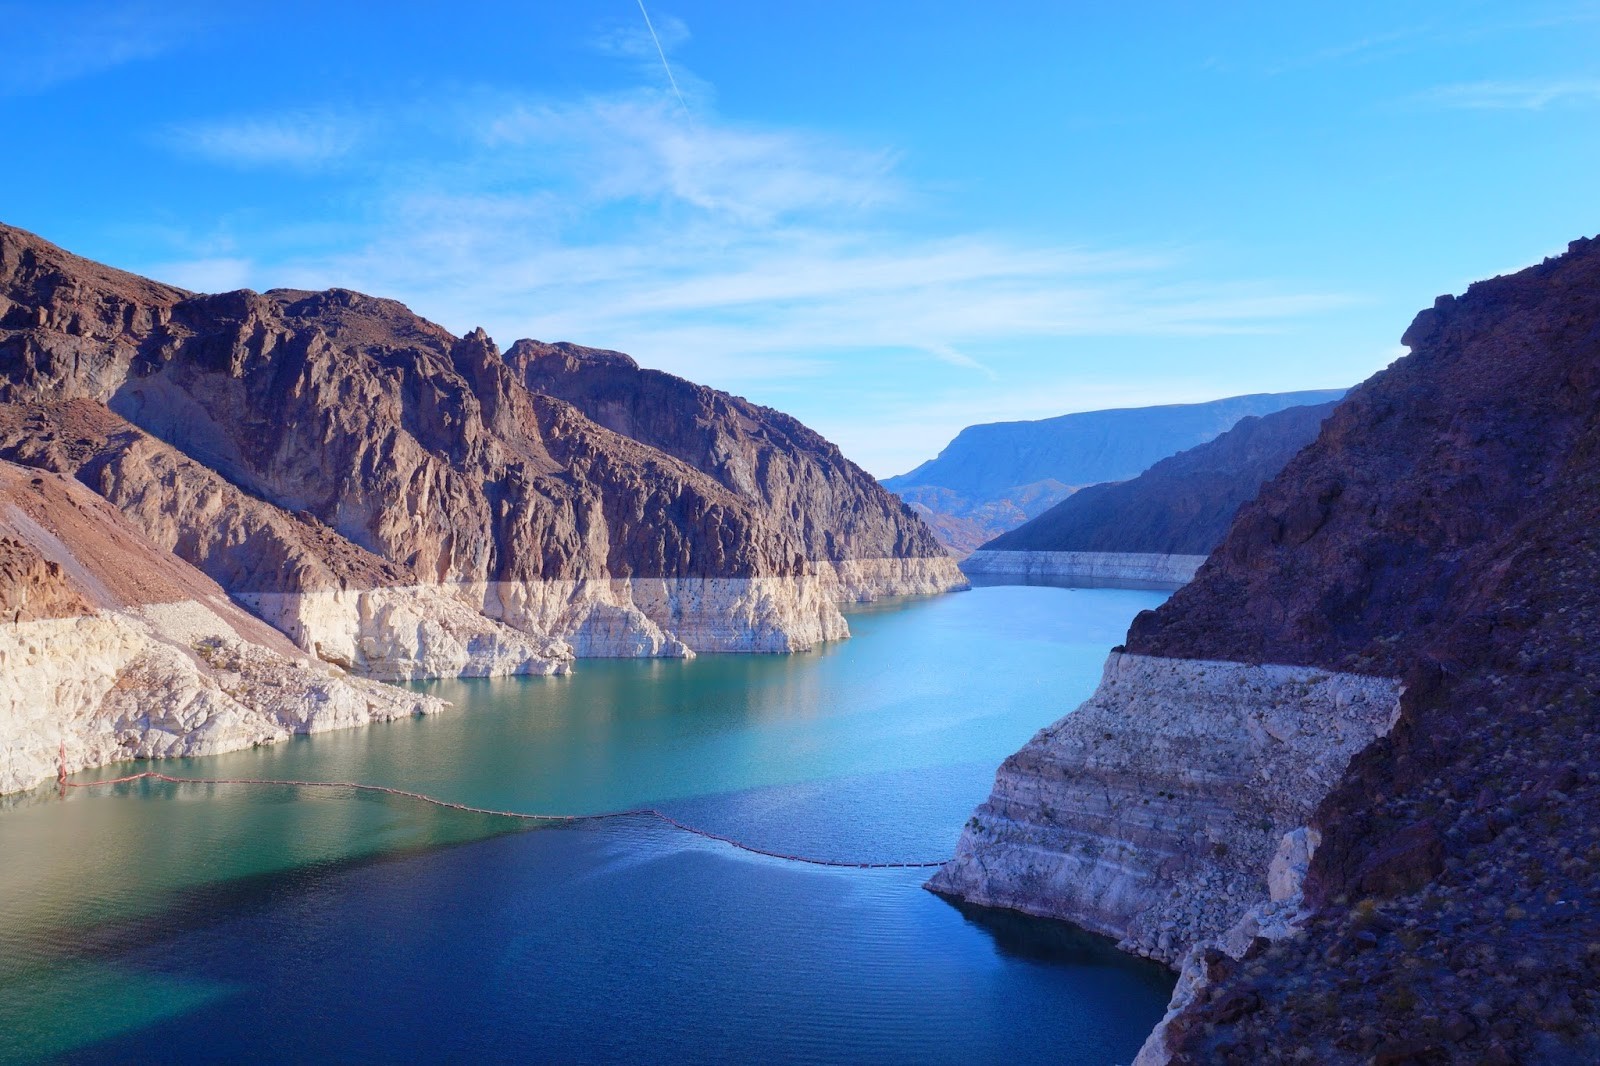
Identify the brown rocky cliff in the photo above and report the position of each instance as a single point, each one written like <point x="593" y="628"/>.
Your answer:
<point x="387" y="429"/>
<point x="83" y="555"/>
<point x="762" y="455"/>
<point x="112" y="649"/>
<point x="33" y="587"/>
<point x="239" y="541"/>
<point x="291" y="442"/>
<point x="1371" y="540"/>
<point x="1443" y="530"/>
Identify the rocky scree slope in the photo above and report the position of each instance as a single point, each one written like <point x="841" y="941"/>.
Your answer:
<point x="111" y="648"/>
<point x="993" y="477"/>
<point x="401" y="501"/>
<point x="1442" y="901"/>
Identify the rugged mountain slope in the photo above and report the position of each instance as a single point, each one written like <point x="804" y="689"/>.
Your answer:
<point x="401" y="501"/>
<point x="994" y="477"/>
<point x="1439" y="903"/>
<point x="756" y="452"/>
<point x="1182" y="505"/>
<point x="336" y="600"/>
<point x="111" y="648"/>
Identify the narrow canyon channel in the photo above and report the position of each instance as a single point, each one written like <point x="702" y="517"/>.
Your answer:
<point x="228" y="922"/>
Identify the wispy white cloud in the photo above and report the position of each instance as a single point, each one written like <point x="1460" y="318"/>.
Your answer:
<point x="296" y="139"/>
<point x="630" y="39"/>
<point x="1367" y="49"/>
<point x="1525" y="95"/>
<point x="946" y="353"/>
<point x="639" y="147"/>
<point x="48" y="45"/>
<point x="756" y="258"/>
<point x="207" y="274"/>
<point x="741" y="255"/>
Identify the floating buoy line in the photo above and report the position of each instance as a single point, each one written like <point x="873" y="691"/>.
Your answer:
<point x="357" y="786"/>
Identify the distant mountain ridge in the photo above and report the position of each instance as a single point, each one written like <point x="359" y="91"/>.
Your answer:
<point x="994" y="476"/>
<point x="1183" y="504"/>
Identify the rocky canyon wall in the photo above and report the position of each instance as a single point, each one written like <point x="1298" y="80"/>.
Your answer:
<point x="113" y="649"/>
<point x="386" y="499"/>
<point x="406" y="503"/>
<point x="1367" y="830"/>
<point x="1151" y="813"/>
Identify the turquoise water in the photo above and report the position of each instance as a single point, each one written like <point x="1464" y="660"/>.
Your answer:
<point x="194" y="922"/>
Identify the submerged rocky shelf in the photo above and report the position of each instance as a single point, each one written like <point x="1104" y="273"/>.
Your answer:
<point x="1344" y="779"/>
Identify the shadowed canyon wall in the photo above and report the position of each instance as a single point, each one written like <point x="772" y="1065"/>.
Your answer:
<point x="1392" y="646"/>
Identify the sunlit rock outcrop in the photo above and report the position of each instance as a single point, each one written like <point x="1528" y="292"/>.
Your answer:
<point x="111" y="648"/>
<point x="407" y="503"/>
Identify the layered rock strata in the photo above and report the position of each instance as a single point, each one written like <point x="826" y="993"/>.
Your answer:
<point x="350" y="607"/>
<point x="407" y="503"/>
<point x="1440" y="530"/>
<point x="1126" y="570"/>
<point x="112" y="649"/>
<point x="1151" y="813"/>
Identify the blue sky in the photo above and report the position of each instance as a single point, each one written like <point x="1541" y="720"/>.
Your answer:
<point x="889" y="219"/>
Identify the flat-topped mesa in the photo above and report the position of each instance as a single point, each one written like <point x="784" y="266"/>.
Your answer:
<point x="111" y="648"/>
<point x="1431" y="561"/>
<point x="397" y="476"/>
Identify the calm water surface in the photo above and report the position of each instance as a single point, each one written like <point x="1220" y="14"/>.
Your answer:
<point x="191" y="922"/>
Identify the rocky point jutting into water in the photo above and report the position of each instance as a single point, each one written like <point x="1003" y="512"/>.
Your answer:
<point x="1346" y="777"/>
<point x="404" y="503"/>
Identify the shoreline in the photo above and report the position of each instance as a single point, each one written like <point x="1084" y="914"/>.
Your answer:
<point x="1067" y="569"/>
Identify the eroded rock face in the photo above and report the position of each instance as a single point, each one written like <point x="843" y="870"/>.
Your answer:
<point x="112" y="649"/>
<point x="1456" y="871"/>
<point x="1152" y="812"/>
<point x="756" y="452"/>
<point x="332" y="598"/>
<point x="1440" y="530"/>
<point x="394" y="500"/>
<point x="409" y="503"/>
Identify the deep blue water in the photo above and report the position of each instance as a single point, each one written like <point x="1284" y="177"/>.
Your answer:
<point x="224" y="923"/>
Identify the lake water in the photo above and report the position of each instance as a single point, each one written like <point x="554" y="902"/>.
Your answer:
<point x="222" y="923"/>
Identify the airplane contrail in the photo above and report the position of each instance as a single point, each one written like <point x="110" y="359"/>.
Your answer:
<point x="662" y="52"/>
